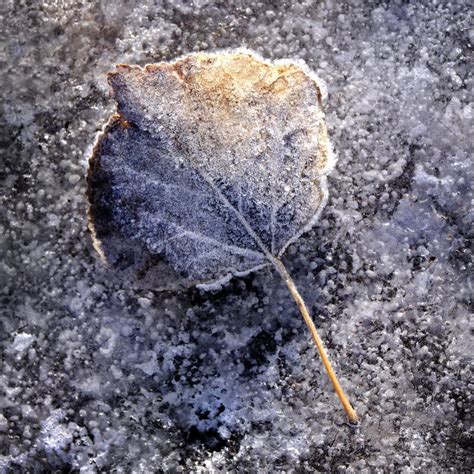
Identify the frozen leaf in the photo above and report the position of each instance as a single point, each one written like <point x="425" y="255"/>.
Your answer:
<point x="197" y="147"/>
<point x="211" y="167"/>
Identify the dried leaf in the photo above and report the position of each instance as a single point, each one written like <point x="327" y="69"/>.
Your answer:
<point x="212" y="166"/>
<point x="198" y="147"/>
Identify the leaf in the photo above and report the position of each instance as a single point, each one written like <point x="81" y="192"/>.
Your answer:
<point x="212" y="166"/>
<point x="217" y="140"/>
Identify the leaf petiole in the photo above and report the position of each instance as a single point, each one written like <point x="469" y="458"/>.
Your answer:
<point x="317" y="340"/>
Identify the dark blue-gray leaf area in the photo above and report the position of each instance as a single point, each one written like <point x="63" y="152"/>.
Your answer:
<point x="143" y="196"/>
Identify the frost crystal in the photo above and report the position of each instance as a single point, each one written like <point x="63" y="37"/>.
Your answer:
<point x="212" y="163"/>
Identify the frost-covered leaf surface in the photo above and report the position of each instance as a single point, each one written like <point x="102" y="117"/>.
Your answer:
<point x="213" y="162"/>
<point x="98" y="376"/>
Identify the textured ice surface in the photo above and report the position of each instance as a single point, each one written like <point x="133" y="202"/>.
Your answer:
<point x="212" y="163"/>
<point x="115" y="378"/>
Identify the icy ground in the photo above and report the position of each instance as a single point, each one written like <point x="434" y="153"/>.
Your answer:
<point x="96" y="376"/>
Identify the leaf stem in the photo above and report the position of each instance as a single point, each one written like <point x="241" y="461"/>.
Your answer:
<point x="317" y="340"/>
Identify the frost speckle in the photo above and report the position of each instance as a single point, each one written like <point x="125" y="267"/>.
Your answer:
<point x="21" y="343"/>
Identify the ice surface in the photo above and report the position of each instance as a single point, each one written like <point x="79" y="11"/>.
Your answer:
<point x="135" y="380"/>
